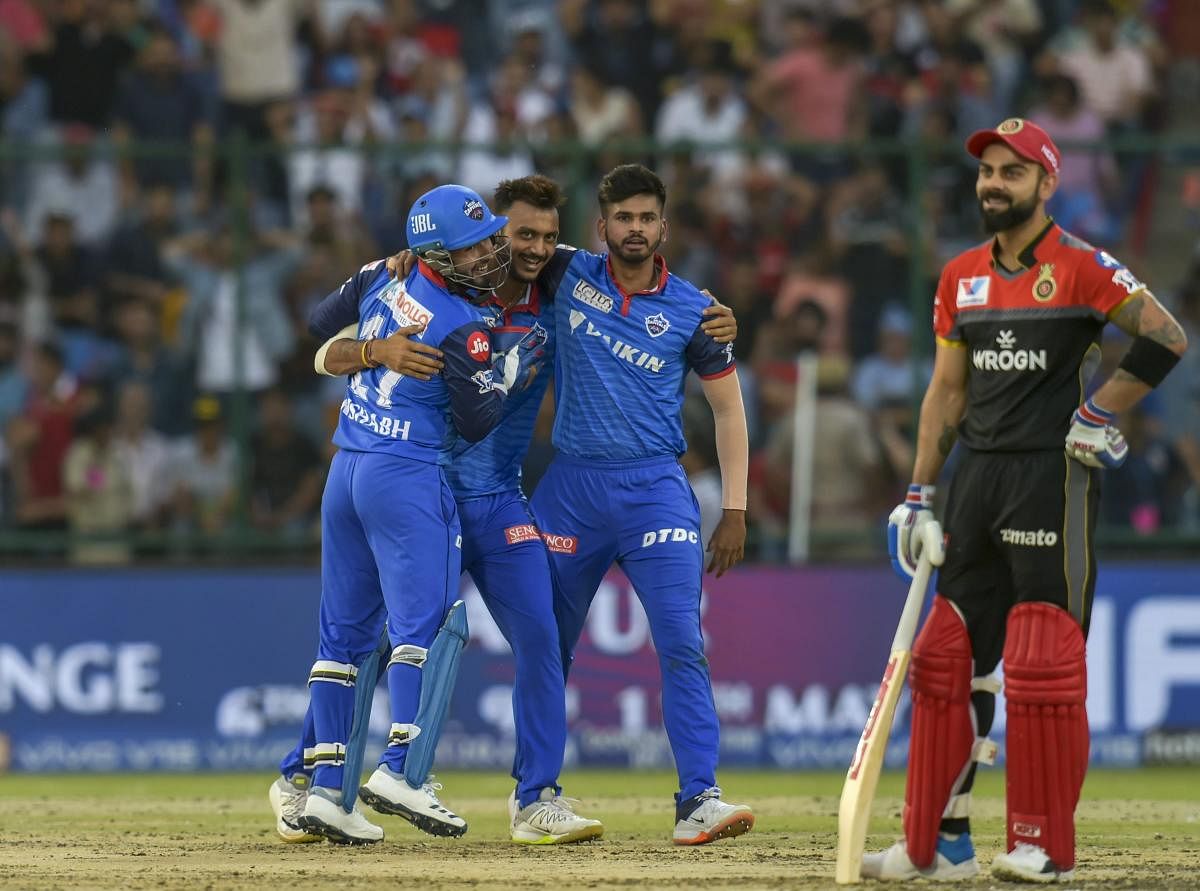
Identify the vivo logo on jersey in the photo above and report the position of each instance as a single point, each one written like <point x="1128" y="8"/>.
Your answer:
<point x="1029" y="538"/>
<point x="1007" y="358"/>
<point x="585" y="293"/>
<point x="631" y="354"/>
<point x="385" y="426"/>
<point x="659" y="536"/>
<point x="972" y="291"/>
<point x="517" y="534"/>
<point x="560" y="544"/>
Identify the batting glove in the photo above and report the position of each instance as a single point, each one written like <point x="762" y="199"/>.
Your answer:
<point x="906" y="535"/>
<point x="1093" y="440"/>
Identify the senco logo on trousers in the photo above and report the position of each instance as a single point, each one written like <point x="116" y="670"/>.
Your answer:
<point x="588" y="294"/>
<point x="658" y="536"/>
<point x="517" y="534"/>
<point x="1029" y="538"/>
<point x="1008" y="357"/>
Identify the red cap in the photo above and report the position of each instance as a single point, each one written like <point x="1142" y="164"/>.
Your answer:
<point x="1024" y="137"/>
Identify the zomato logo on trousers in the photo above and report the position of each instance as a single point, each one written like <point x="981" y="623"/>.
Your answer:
<point x="560" y="544"/>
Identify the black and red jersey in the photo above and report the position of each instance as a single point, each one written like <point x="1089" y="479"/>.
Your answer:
<point x="1031" y="335"/>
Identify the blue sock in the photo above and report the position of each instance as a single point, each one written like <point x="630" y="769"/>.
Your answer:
<point x="956" y="850"/>
<point x="333" y="711"/>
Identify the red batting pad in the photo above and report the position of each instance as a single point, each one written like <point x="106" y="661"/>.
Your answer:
<point x="943" y="733"/>
<point x="1045" y="683"/>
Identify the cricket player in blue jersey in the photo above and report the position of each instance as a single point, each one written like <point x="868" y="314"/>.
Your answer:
<point x="380" y="563"/>
<point x="628" y="334"/>
<point x="501" y="547"/>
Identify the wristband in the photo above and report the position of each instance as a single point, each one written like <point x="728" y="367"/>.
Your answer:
<point x="1091" y="415"/>
<point x="919" y="497"/>
<point x="366" y="361"/>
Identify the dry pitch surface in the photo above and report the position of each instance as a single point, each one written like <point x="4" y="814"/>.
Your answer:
<point x="1138" y="829"/>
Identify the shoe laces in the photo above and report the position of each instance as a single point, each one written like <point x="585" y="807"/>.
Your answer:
<point x="432" y="788"/>
<point x="710" y="792"/>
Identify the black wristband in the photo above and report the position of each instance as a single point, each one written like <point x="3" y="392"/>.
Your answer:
<point x="1148" y="360"/>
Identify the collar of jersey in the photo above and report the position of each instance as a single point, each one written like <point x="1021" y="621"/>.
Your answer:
<point x="531" y="304"/>
<point x="426" y="270"/>
<point x="662" y="278"/>
<point x="1028" y="256"/>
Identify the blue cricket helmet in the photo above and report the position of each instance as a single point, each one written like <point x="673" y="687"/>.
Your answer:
<point x="450" y="217"/>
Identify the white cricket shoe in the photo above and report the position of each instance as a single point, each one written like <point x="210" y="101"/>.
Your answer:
<point x="551" y="820"/>
<point x="390" y="793"/>
<point x="1029" y="863"/>
<point x="324" y="816"/>
<point x="706" y="818"/>
<point x="287" y="801"/>
<point x="955" y="861"/>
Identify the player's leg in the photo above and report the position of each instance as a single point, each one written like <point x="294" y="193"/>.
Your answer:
<point x="661" y="553"/>
<point x="350" y="616"/>
<point x="952" y="707"/>
<point x="572" y="509"/>
<point x="507" y="560"/>
<point x="1047" y="538"/>
<point x="411" y="526"/>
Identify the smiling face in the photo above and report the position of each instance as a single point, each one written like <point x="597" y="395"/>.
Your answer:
<point x="533" y="236"/>
<point x="1010" y="188"/>
<point x="633" y="228"/>
<point x="483" y="265"/>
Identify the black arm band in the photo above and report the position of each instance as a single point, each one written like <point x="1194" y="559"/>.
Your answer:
<point x="1148" y="360"/>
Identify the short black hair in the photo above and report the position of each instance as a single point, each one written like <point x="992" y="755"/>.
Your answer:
<point x="540" y="191"/>
<point x="628" y="180"/>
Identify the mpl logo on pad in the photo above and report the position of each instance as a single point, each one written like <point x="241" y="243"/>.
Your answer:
<point x="517" y="534"/>
<point x="560" y="544"/>
<point x="972" y="291"/>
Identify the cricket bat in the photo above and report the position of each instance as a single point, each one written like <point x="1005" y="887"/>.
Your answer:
<point x="858" y="792"/>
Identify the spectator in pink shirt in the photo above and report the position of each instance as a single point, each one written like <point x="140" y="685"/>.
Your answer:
<point x="813" y="93"/>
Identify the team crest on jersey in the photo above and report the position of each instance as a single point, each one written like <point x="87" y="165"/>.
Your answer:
<point x="1045" y="286"/>
<point x="588" y="294"/>
<point x="1010" y="126"/>
<point x="657" y="324"/>
<point x="484" y="380"/>
<point x="972" y="291"/>
<point x="473" y="208"/>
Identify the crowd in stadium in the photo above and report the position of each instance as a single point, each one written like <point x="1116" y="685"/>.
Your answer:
<point x="124" y="345"/>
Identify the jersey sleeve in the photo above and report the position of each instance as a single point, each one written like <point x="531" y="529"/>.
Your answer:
<point x="552" y="273"/>
<point x="476" y="402"/>
<point x="945" y="311"/>
<point x="1105" y="283"/>
<point x="340" y="308"/>
<point x="710" y="359"/>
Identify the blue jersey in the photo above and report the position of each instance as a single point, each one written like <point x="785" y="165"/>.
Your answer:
<point x="493" y="465"/>
<point x="622" y="360"/>
<point x="388" y="412"/>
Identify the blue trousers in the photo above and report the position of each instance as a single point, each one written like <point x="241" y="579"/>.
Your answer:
<point x="507" y="561"/>
<point x="643" y="515"/>
<point x="390" y="546"/>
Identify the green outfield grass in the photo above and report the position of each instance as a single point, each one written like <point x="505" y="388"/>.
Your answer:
<point x="1137" y="829"/>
